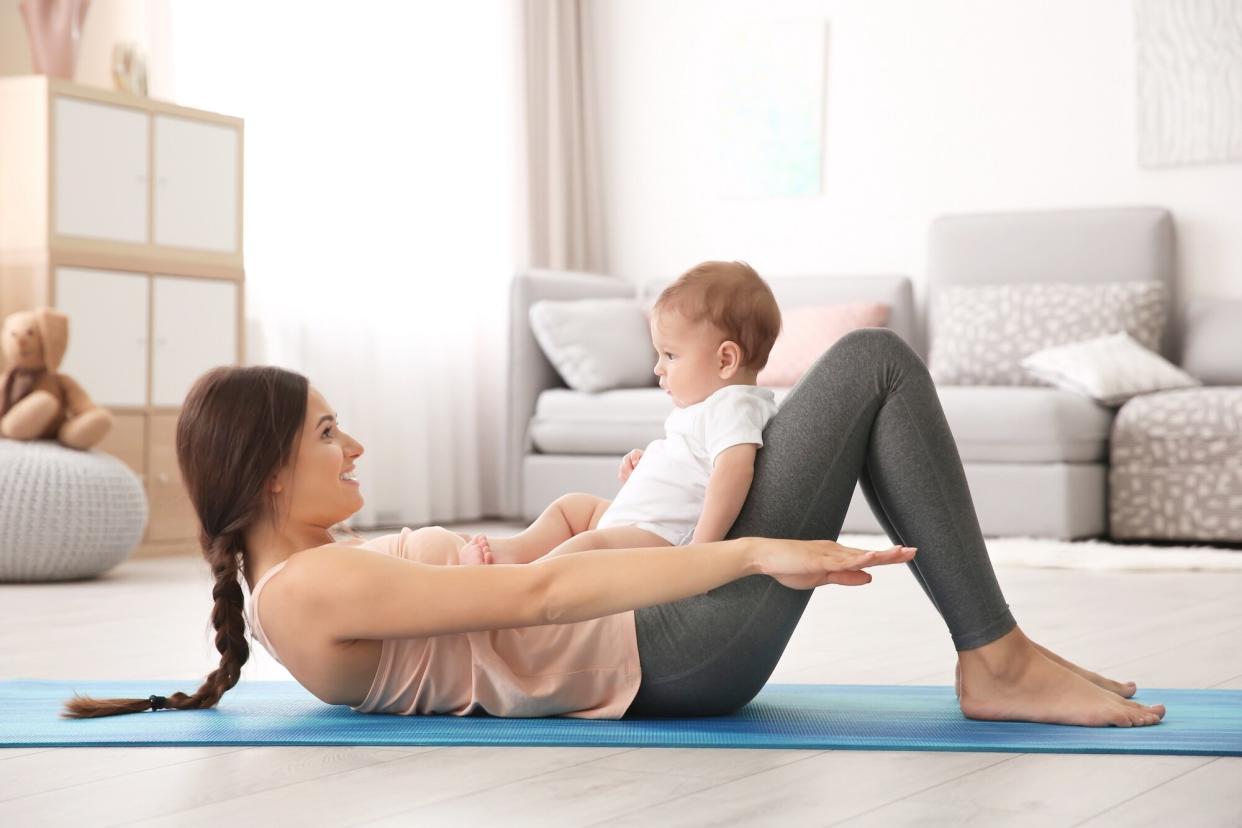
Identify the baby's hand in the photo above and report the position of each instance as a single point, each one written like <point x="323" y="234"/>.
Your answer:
<point x="476" y="551"/>
<point x="628" y="462"/>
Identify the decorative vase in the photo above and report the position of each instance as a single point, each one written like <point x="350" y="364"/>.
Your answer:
<point x="55" y="29"/>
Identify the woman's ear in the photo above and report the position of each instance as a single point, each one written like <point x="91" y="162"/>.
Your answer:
<point x="729" y="355"/>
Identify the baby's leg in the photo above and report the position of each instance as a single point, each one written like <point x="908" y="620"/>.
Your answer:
<point x="614" y="537"/>
<point x="565" y="517"/>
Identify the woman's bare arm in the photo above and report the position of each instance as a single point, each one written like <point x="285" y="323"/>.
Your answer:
<point x="350" y="592"/>
<point x="358" y="593"/>
<point x="353" y="593"/>
<point x="606" y="581"/>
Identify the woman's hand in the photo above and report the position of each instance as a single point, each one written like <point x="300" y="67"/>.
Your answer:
<point x="808" y="564"/>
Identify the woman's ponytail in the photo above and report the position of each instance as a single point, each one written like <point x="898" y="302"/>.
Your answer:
<point x="237" y="428"/>
<point x="223" y="553"/>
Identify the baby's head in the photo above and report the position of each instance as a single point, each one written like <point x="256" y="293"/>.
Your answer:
<point x="713" y="327"/>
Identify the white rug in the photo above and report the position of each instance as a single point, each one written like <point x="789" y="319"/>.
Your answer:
<point x="1091" y="554"/>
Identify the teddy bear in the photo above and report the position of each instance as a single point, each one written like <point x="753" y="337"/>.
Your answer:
<point x="36" y="401"/>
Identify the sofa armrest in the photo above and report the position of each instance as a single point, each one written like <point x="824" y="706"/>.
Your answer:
<point x="1212" y="340"/>
<point x="529" y="372"/>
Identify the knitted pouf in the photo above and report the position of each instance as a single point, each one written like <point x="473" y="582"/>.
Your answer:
<point x="65" y="513"/>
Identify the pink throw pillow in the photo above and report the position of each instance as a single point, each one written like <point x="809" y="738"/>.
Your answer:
<point x="808" y="331"/>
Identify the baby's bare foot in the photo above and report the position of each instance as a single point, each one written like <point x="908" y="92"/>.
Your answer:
<point x="1033" y="688"/>
<point x="476" y="551"/>
<point x="1125" y="689"/>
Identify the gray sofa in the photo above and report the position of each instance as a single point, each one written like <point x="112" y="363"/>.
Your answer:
<point x="1036" y="458"/>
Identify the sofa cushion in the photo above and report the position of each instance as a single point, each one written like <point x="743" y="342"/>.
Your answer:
<point x="980" y="333"/>
<point x="1025" y="425"/>
<point x="1000" y="425"/>
<point x="1084" y="246"/>
<point x="596" y="344"/>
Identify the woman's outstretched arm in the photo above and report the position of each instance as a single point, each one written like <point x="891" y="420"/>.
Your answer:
<point x="605" y="581"/>
<point x="351" y="593"/>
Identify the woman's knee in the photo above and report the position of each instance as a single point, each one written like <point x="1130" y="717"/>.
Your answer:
<point x="865" y="352"/>
<point x="873" y="339"/>
<point x="870" y="346"/>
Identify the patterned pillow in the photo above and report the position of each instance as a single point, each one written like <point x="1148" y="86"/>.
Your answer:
<point x="981" y="333"/>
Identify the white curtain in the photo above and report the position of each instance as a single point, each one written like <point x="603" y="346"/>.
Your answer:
<point x="380" y="220"/>
<point x="565" y="230"/>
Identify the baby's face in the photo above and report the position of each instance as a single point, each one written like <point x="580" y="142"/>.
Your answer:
<point x="687" y="358"/>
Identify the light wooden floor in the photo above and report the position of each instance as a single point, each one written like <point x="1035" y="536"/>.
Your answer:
<point x="147" y="619"/>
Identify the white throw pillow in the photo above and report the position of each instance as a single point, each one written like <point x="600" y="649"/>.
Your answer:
<point x="596" y="344"/>
<point x="1110" y="369"/>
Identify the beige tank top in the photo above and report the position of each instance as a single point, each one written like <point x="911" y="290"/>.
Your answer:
<point x="584" y="670"/>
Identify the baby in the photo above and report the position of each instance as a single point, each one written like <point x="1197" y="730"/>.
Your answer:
<point x="712" y="330"/>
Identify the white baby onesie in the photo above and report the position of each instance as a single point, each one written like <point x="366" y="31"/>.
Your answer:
<point x="665" y="492"/>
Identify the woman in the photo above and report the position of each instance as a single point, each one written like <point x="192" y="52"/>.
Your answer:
<point x="672" y="631"/>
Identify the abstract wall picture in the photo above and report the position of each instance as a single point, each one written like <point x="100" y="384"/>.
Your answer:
<point x="770" y="108"/>
<point x="1189" y="70"/>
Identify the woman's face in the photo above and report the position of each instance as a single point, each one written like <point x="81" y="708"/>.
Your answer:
<point x="318" y="489"/>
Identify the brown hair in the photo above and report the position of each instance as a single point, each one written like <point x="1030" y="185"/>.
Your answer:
<point x="237" y="428"/>
<point x="735" y="299"/>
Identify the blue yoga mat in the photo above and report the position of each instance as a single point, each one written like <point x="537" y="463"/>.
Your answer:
<point x="812" y="716"/>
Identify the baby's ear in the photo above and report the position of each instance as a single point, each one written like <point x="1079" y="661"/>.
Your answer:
<point x="730" y="358"/>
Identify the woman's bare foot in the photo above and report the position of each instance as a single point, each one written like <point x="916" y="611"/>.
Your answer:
<point x="476" y="551"/>
<point x="1125" y="689"/>
<point x="1011" y="679"/>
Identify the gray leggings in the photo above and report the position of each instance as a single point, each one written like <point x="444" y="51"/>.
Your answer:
<point x="866" y="411"/>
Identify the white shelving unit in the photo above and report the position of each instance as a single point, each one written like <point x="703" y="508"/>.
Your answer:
<point x="126" y="214"/>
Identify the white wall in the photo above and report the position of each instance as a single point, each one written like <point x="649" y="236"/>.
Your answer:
<point x="932" y="106"/>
